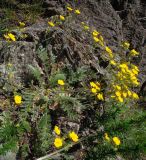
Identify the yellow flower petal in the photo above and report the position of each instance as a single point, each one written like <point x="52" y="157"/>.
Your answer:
<point x="18" y="99"/>
<point x="93" y="90"/>
<point x="124" y="94"/>
<point x="106" y="137"/>
<point x="112" y="62"/>
<point x="92" y="84"/>
<point x="95" y="33"/>
<point x="133" y="52"/>
<point x="118" y="87"/>
<point x="61" y="82"/>
<point x="22" y="24"/>
<point x="126" y="45"/>
<point x="96" y="39"/>
<point x="77" y="11"/>
<point x="51" y="24"/>
<point x="121" y="99"/>
<point x="117" y="141"/>
<point x="12" y="37"/>
<point x="129" y="93"/>
<point x="58" y="142"/>
<point x="118" y="93"/>
<point x="6" y="37"/>
<point x="135" y="95"/>
<point x="73" y="136"/>
<point x="69" y="9"/>
<point x="101" y="38"/>
<point x="86" y="27"/>
<point x="57" y="130"/>
<point x="62" y="18"/>
<point x="100" y="96"/>
<point x="108" y="50"/>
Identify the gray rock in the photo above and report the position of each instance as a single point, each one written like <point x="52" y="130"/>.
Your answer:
<point x="8" y="156"/>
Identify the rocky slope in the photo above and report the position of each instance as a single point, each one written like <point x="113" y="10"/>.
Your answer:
<point x="117" y="20"/>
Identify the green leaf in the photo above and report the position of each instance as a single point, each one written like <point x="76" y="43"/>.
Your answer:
<point x="54" y="78"/>
<point x="35" y="72"/>
<point x="43" y="121"/>
<point x="26" y="126"/>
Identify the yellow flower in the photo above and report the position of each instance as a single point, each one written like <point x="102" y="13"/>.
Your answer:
<point x="95" y="33"/>
<point x="73" y="136"/>
<point x="98" y="88"/>
<point x="86" y="27"/>
<point x="12" y="36"/>
<point x="100" y="96"/>
<point x="133" y="52"/>
<point x="77" y="11"/>
<point x="22" y="24"/>
<point x="6" y="37"/>
<point x="62" y="18"/>
<point x="123" y="70"/>
<point x="118" y="87"/>
<point x="95" y="85"/>
<point x="118" y="93"/>
<point x="51" y="24"/>
<point x="135" y="95"/>
<point x="96" y="39"/>
<point x="101" y="38"/>
<point x="101" y="43"/>
<point x="124" y="94"/>
<point x="132" y="75"/>
<point x="135" y="71"/>
<point x="129" y="93"/>
<point x="117" y="141"/>
<point x="106" y="137"/>
<point x="69" y="8"/>
<point x="126" y="45"/>
<point x="123" y="66"/>
<point x="92" y="84"/>
<point x="135" y="67"/>
<point x="93" y="90"/>
<point x="109" y="51"/>
<point x="120" y="99"/>
<point x="135" y="81"/>
<point x="58" y="142"/>
<point x="18" y="99"/>
<point x="112" y="62"/>
<point x="57" y="130"/>
<point x="61" y="82"/>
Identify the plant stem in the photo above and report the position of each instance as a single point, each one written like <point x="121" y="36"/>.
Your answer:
<point x="56" y="152"/>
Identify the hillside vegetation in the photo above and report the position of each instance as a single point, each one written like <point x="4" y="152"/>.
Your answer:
<point x="72" y="77"/>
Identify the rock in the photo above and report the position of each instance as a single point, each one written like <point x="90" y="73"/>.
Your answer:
<point x="20" y="54"/>
<point x="52" y="8"/>
<point x="8" y="156"/>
